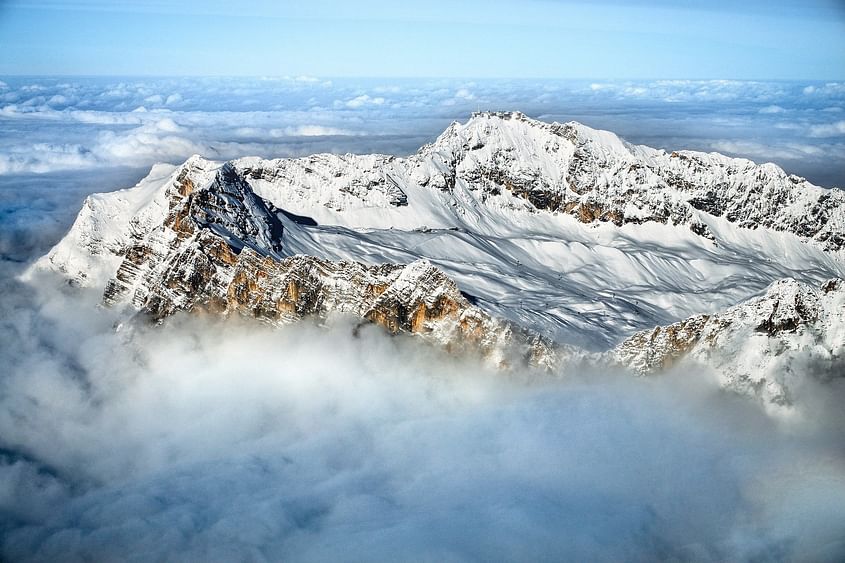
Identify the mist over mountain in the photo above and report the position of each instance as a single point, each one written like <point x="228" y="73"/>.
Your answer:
<point x="364" y="430"/>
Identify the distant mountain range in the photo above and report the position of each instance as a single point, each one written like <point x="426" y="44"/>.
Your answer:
<point x="512" y="238"/>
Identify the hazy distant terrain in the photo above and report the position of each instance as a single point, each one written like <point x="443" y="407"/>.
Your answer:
<point x="70" y="123"/>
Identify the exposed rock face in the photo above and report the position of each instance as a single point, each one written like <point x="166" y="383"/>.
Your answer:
<point x="758" y="346"/>
<point x="595" y="176"/>
<point x="218" y="250"/>
<point x="651" y="351"/>
<point x="201" y="225"/>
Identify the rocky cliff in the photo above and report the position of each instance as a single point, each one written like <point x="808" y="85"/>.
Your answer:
<point x="219" y="250"/>
<point x="760" y="347"/>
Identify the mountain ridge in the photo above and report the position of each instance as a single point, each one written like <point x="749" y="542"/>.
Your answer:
<point x="373" y="180"/>
<point x="758" y="347"/>
<point x="553" y="233"/>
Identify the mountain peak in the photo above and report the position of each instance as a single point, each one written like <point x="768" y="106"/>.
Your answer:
<point x="228" y="206"/>
<point x="574" y="131"/>
<point x="504" y="115"/>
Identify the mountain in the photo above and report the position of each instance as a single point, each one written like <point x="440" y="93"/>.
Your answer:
<point x="503" y="232"/>
<point x="219" y="249"/>
<point x="595" y="176"/>
<point x="762" y="347"/>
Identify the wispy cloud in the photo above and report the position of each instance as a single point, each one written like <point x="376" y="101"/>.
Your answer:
<point x="360" y="101"/>
<point x="836" y="129"/>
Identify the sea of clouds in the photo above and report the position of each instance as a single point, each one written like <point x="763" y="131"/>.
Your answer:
<point x="64" y="124"/>
<point x="216" y="441"/>
<point x="219" y="441"/>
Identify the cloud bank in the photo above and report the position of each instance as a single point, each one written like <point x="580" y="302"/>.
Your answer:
<point x="202" y="440"/>
<point x="53" y="124"/>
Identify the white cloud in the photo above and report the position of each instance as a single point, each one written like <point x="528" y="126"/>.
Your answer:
<point x="828" y="130"/>
<point x="211" y="441"/>
<point x="173" y="99"/>
<point x="391" y="89"/>
<point x="158" y="141"/>
<point x="691" y="90"/>
<point x="830" y="89"/>
<point x="772" y="109"/>
<point x="304" y="130"/>
<point x="167" y="124"/>
<point x="46" y="157"/>
<point x="768" y="151"/>
<point x="310" y="131"/>
<point x="116" y="92"/>
<point x="464" y="94"/>
<point x="58" y="100"/>
<point x="11" y="110"/>
<point x="362" y="101"/>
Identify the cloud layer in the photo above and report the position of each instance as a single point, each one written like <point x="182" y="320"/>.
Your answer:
<point x="205" y="441"/>
<point x="52" y="124"/>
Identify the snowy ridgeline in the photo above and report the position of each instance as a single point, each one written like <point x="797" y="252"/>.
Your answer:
<point x="557" y="229"/>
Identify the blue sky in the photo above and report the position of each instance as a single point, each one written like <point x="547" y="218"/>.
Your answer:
<point x="498" y="38"/>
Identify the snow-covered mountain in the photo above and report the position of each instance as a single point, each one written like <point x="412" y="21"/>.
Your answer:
<point x="552" y="231"/>
<point x="219" y="250"/>
<point x="762" y="347"/>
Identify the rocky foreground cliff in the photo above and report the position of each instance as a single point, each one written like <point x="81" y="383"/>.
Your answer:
<point x="219" y="250"/>
<point x="502" y="236"/>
